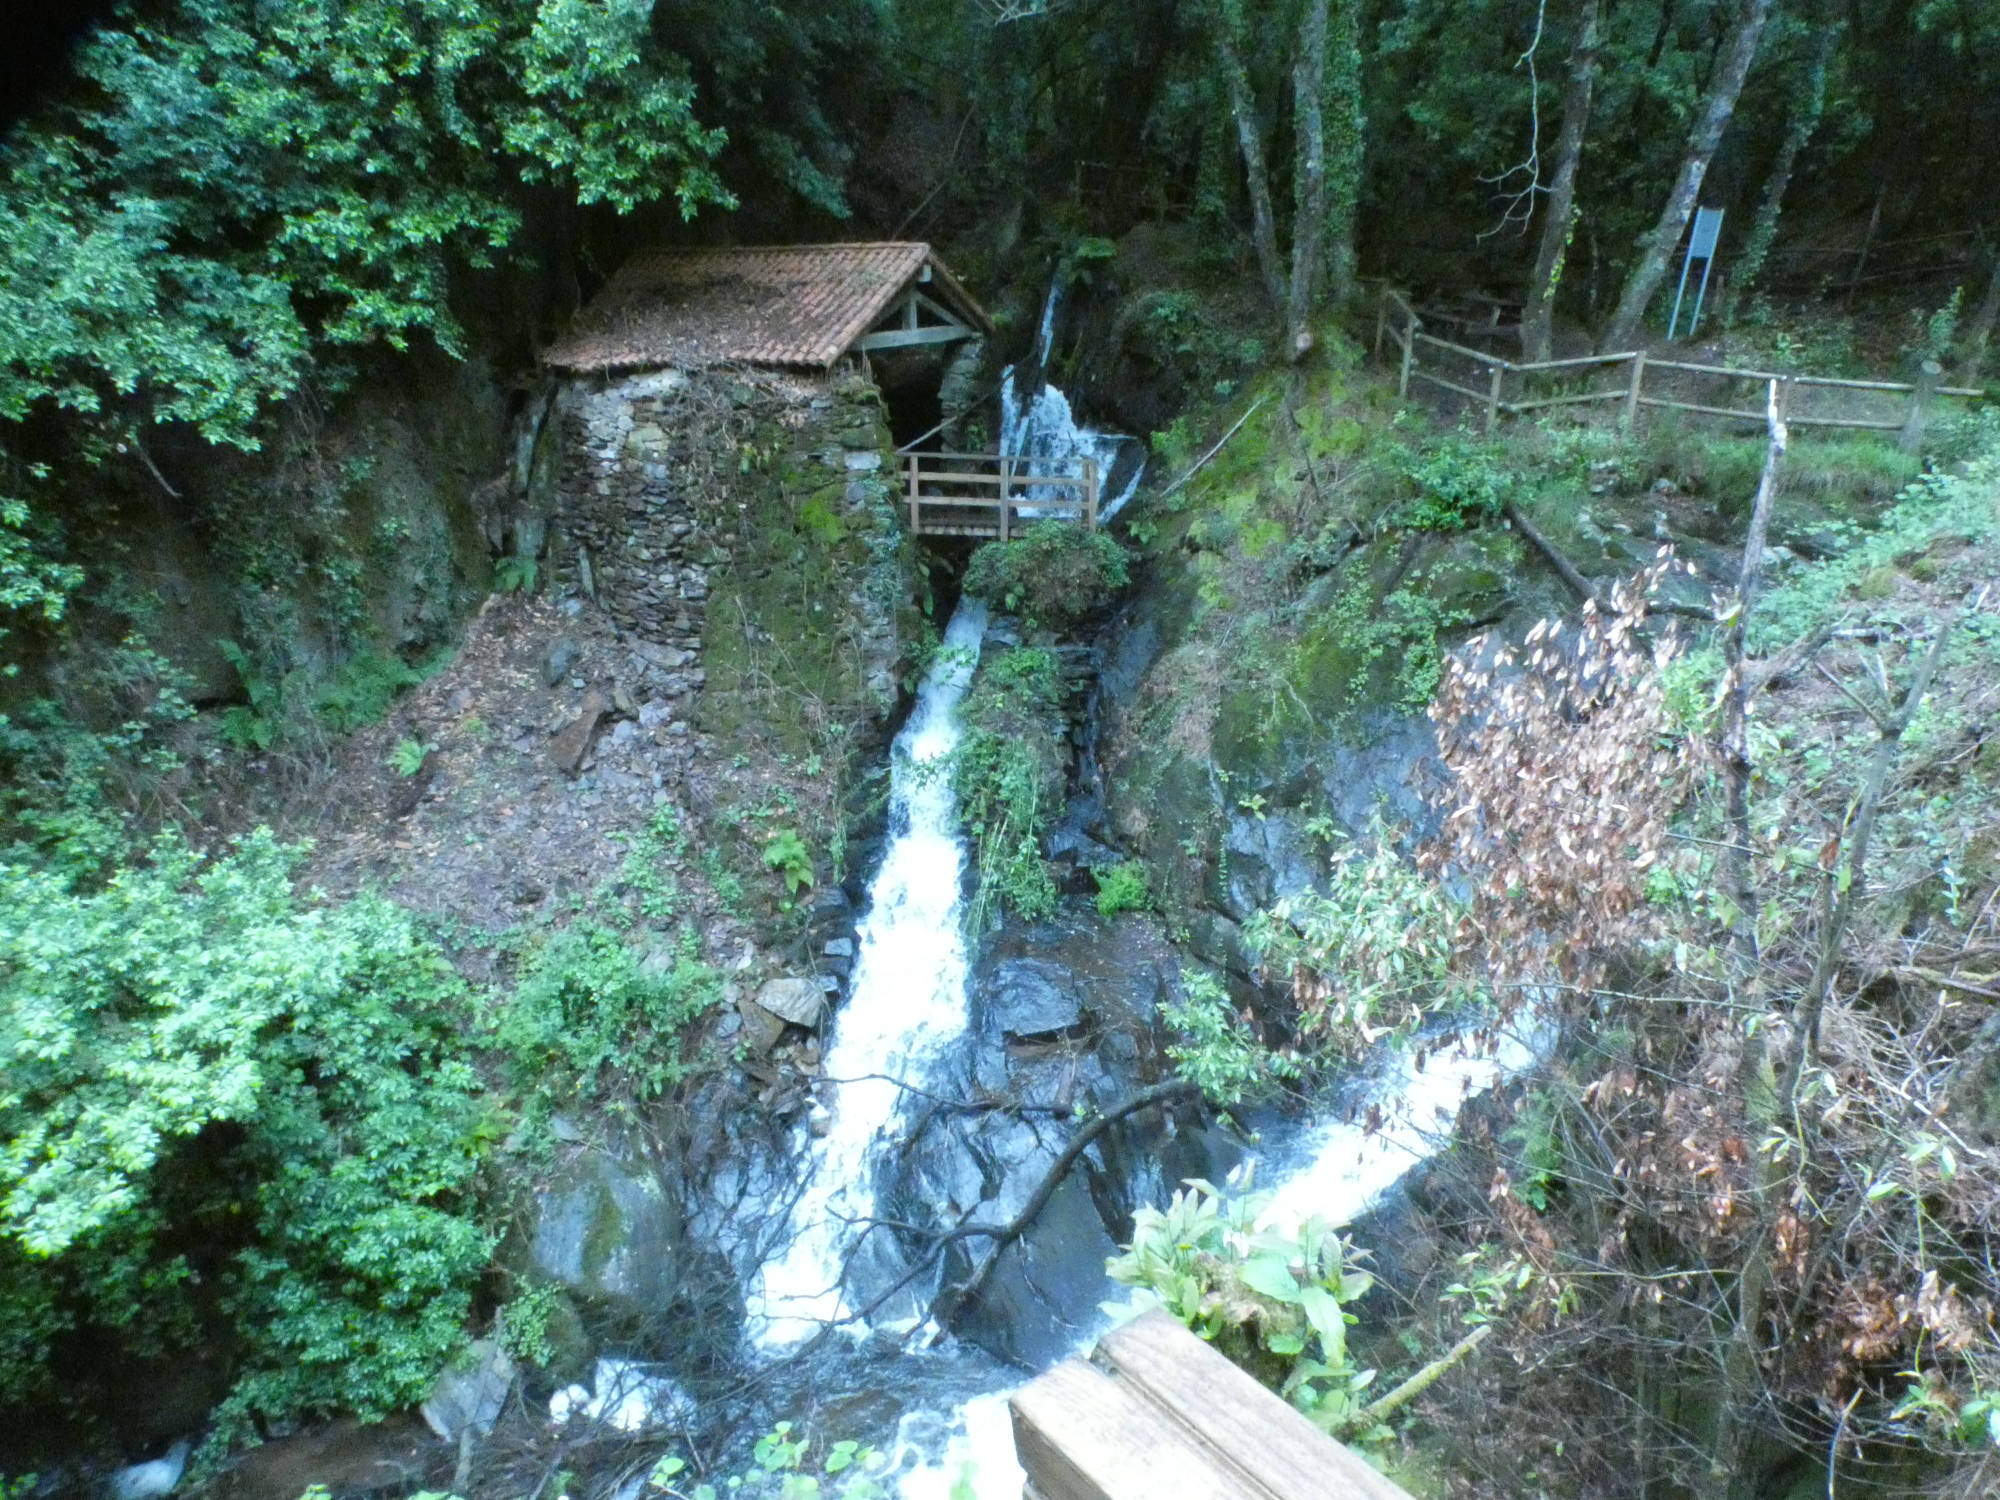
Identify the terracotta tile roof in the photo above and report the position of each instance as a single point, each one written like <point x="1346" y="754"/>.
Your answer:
<point x="763" y="305"/>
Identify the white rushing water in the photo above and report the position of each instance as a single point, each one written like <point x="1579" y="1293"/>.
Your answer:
<point x="1043" y="427"/>
<point x="906" y="1004"/>
<point x="1336" y="1170"/>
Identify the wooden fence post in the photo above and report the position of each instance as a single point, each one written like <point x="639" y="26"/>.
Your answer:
<point x="1409" y="344"/>
<point x="1090" y="492"/>
<point x="916" y="513"/>
<point x="1381" y="322"/>
<point x="1920" y="405"/>
<point x="1006" y="474"/>
<point x="1632" y="391"/>
<point x="1493" y="397"/>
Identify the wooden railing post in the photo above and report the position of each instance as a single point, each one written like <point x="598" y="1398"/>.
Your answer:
<point x="1493" y="397"/>
<point x="1920" y="405"/>
<point x="1381" y="322"/>
<point x="1632" y="391"/>
<point x="916" y="513"/>
<point x="1409" y="347"/>
<point x="1090" y="492"/>
<point x="1006" y="479"/>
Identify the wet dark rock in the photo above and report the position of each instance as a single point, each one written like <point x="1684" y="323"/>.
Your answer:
<point x="1269" y="859"/>
<point x="562" y="656"/>
<point x="606" y="1229"/>
<point x="1030" y="997"/>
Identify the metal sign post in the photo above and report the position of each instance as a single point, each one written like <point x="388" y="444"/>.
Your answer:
<point x="1701" y="246"/>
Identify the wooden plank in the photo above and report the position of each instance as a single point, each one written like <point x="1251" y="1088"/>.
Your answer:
<point x="1282" y="1453"/>
<point x="1567" y="364"/>
<point x="1521" y="406"/>
<point x="1463" y="390"/>
<point x="903" y="338"/>
<point x="1482" y="357"/>
<point x="1083" y="1436"/>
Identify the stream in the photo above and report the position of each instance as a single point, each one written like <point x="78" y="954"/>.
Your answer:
<point x="924" y="1019"/>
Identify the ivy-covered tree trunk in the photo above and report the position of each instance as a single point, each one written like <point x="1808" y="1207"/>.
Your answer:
<point x="1308" y="175"/>
<point x="1243" y="109"/>
<point x="1347" y="131"/>
<point x="1557" y="222"/>
<point x="1764" y="228"/>
<point x="1657" y="247"/>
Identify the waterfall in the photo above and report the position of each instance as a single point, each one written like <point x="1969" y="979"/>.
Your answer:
<point x="1036" y="422"/>
<point x="905" y="1006"/>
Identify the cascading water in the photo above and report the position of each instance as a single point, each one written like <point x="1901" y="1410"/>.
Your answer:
<point x="1036" y="422"/>
<point x="906" y="1004"/>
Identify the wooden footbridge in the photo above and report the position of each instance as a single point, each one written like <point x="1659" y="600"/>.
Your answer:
<point x="995" y="494"/>
<point x="1157" y="1414"/>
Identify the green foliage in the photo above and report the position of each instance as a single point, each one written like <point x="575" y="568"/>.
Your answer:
<point x="1055" y="577"/>
<point x="31" y="584"/>
<point x="1125" y="886"/>
<point x="1272" y="1298"/>
<point x="786" y="852"/>
<point x="1217" y="1049"/>
<point x="592" y="1016"/>
<point x="1459" y="484"/>
<point x="781" y="1469"/>
<point x="1008" y="774"/>
<point x="1369" y="955"/>
<point x="516" y="575"/>
<point x="190" y="1046"/>
<point x="408" y="757"/>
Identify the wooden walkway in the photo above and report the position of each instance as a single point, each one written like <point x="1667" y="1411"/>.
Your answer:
<point x="994" y="495"/>
<point x="1495" y="386"/>
<point x="1157" y="1414"/>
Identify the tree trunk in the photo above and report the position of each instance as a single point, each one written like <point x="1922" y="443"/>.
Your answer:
<point x="1243" y="107"/>
<point x="1979" y="332"/>
<point x="1764" y="229"/>
<point x="1538" y="316"/>
<point x="1657" y="247"/>
<point x="1308" y="176"/>
<point x="1347" y="133"/>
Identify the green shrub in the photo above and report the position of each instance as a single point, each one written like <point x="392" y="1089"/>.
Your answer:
<point x="1008" y="774"/>
<point x="232" y="1120"/>
<point x="516" y="575"/>
<point x="1459" y="484"/>
<point x="1273" y="1299"/>
<point x="786" y="853"/>
<point x="1123" y="887"/>
<point x="1216" y="1050"/>
<point x="592" y="1014"/>
<point x="1054" y="577"/>
<point x="1372" y="953"/>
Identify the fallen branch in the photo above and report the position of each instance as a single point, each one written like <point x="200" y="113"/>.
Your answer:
<point x="1373" y="1413"/>
<point x="1201" y="462"/>
<point x="1565" y="569"/>
<point x="953" y="1302"/>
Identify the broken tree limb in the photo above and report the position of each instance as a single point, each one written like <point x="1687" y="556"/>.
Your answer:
<point x="954" y="1301"/>
<point x="1201" y="463"/>
<point x="1552" y="554"/>
<point x="1373" y="1413"/>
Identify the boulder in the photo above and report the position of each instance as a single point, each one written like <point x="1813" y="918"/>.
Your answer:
<point x="800" y="1001"/>
<point x="606" y="1229"/>
<point x="562" y="655"/>
<point x="760" y="1028"/>
<point x="570" y="746"/>
<point x="471" y="1393"/>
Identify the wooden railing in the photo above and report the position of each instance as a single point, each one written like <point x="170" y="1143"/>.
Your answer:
<point x="1483" y="379"/>
<point x="994" y="494"/>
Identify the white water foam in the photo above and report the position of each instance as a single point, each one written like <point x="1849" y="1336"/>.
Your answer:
<point x="1045" y="429"/>
<point x="1337" y="1171"/>
<point x="906" y="1004"/>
